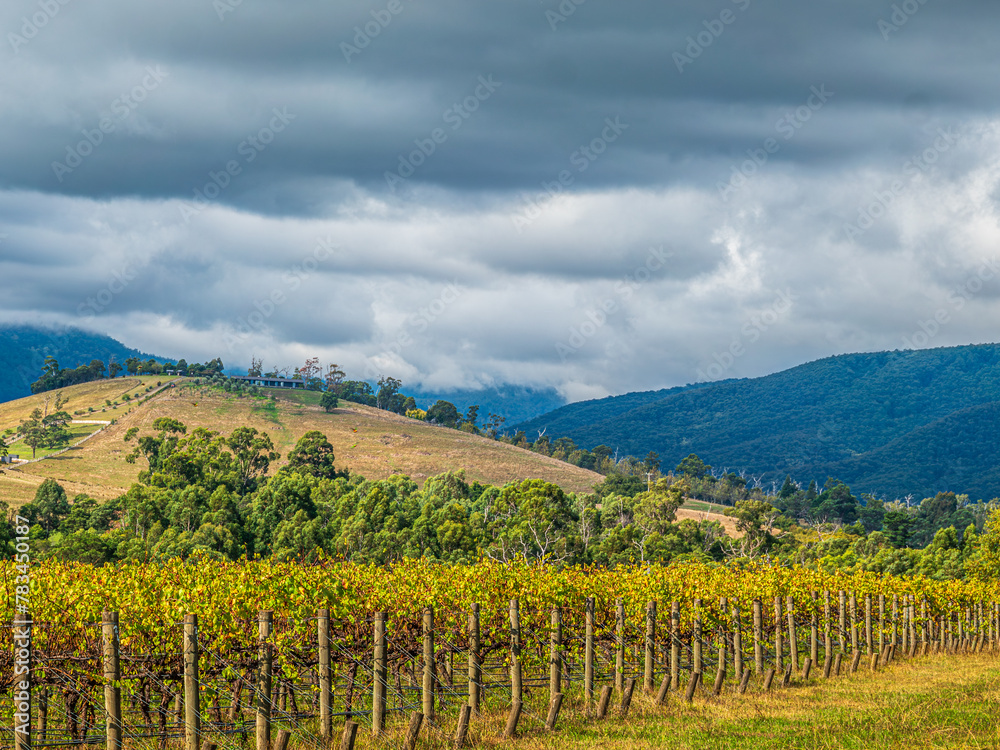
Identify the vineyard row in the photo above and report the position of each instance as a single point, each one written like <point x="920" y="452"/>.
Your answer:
<point x="521" y="659"/>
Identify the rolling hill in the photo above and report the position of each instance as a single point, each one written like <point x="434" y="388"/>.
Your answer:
<point x="368" y="441"/>
<point x="892" y="423"/>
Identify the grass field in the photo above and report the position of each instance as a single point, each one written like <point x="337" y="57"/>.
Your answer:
<point x="935" y="702"/>
<point x="368" y="441"/>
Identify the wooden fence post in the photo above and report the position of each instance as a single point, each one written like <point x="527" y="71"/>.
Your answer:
<point x="696" y="662"/>
<point x="768" y="679"/>
<point x="264" y="683"/>
<point x="650" y="661"/>
<point x="430" y="671"/>
<point x="463" y="725"/>
<point x="23" y="657"/>
<point x="737" y="643"/>
<point x="827" y="635"/>
<point x="192" y="695"/>
<point x="604" y="702"/>
<point x="555" y="659"/>
<point x="881" y="623"/>
<point x="516" y="688"/>
<point x="854" y="621"/>
<point x="413" y="730"/>
<point x="869" y="645"/>
<point x="925" y="626"/>
<point x="588" y="668"/>
<point x="325" y="682"/>
<point x="627" y="696"/>
<point x="814" y="629"/>
<point x="554" y="704"/>
<point x="895" y="619"/>
<point x="675" y="646"/>
<point x="758" y="636"/>
<point x="778" y="645"/>
<point x="720" y="675"/>
<point x="692" y="686"/>
<point x="793" y="641"/>
<point x="842" y="620"/>
<point x="379" y="674"/>
<point x="112" y="681"/>
<point x="620" y="645"/>
<point x="745" y="681"/>
<point x="475" y="666"/>
<point x="349" y="735"/>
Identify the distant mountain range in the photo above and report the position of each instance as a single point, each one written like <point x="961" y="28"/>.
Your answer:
<point x="891" y="423"/>
<point x="23" y="349"/>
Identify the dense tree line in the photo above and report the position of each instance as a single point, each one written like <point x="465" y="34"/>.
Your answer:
<point x="201" y="493"/>
<point x="54" y="377"/>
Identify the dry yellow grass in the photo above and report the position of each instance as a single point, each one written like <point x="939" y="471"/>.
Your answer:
<point x="368" y="441"/>
<point x="80" y="398"/>
<point x="729" y="524"/>
<point x="932" y="702"/>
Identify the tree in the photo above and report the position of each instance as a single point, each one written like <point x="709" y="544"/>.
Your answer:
<point x="329" y="401"/>
<point x="49" y="507"/>
<point x="132" y="365"/>
<point x="388" y="389"/>
<point x="113" y="369"/>
<point x="472" y="414"/>
<point x="493" y="424"/>
<point x="872" y="513"/>
<point x="755" y="519"/>
<point x="334" y="377"/>
<point x="532" y="519"/>
<point x="313" y="455"/>
<point x="256" y="367"/>
<point x="898" y="527"/>
<point x="32" y="431"/>
<point x="444" y="412"/>
<point x="253" y="453"/>
<point x="693" y="467"/>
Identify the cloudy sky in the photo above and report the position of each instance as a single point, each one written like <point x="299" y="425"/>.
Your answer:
<point x="597" y="196"/>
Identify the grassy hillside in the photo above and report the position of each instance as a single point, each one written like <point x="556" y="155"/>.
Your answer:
<point x="892" y="423"/>
<point x="367" y="441"/>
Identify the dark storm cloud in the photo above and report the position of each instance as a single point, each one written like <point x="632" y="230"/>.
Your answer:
<point x="619" y="193"/>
